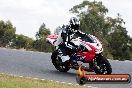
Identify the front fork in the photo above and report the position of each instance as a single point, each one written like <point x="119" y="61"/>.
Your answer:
<point x="93" y="65"/>
<point x="95" y="61"/>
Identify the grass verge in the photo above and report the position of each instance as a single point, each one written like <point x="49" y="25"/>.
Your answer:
<point x="7" y="81"/>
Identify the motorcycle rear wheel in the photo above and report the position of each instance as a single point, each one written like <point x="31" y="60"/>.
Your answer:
<point x="57" y="62"/>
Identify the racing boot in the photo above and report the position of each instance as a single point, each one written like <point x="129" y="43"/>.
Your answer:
<point x="74" y="65"/>
<point x="87" y="69"/>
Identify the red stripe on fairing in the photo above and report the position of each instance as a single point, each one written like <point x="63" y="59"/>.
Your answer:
<point x="52" y="36"/>
<point x="92" y="47"/>
<point x="88" y="55"/>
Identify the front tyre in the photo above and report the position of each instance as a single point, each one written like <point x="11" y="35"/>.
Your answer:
<point x="102" y="65"/>
<point x="57" y="62"/>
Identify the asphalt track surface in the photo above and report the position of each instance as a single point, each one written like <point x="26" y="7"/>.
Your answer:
<point x="39" y="65"/>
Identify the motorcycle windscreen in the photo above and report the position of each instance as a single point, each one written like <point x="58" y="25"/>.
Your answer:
<point x="89" y="38"/>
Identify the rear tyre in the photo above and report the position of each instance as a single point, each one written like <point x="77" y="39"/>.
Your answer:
<point x="102" y="66"/>
<point x="57" y="62"/>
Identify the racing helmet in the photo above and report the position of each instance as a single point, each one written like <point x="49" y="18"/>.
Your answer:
<point x="74" y="24"/>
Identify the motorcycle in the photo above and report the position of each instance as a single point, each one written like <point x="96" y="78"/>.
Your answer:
<point x="91" y="54"/>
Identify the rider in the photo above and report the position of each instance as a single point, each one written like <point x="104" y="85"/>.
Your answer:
<point x="63" y="42"/>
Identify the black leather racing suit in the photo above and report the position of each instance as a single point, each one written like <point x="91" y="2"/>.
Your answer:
<point x="64" y="44"/>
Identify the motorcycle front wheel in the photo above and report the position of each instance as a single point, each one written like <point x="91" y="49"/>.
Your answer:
<point x="102" y="65"/>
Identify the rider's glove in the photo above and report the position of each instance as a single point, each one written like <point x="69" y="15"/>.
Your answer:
<point x="78" y="49"/>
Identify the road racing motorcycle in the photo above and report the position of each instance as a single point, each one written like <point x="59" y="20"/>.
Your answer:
<point x="90" y="56"/>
